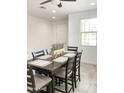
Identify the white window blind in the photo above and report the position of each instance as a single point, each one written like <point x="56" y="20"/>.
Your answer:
<point x="89" y="32"/>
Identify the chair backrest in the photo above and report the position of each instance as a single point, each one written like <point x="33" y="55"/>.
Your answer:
<point x="70" y="66"/>
<point x="47" y="51"/>
<point x="38" y="54"/>
<point x="78" y="59"/>
<point x="30" y="80"/>
<point x="72" y="48"/>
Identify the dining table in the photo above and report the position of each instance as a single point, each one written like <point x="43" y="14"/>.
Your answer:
<point x="50" y="67"/>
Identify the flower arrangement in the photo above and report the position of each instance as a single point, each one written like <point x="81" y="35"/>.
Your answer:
<point x="57" y="50"/>
<point x="57" y="46"/>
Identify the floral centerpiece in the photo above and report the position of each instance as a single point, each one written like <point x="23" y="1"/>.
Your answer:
<point x="57" y="50"/>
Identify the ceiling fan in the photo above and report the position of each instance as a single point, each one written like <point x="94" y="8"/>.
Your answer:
<point x="59" y="4"/>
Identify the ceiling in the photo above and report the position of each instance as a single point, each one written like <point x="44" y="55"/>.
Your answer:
<point x="33" y="8"/>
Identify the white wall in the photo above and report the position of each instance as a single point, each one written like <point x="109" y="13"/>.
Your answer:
<point x="42" y="33"/>
<point x="74" y="35"/>
<point x="39" y="34"/>
<point x="60" y="31"/>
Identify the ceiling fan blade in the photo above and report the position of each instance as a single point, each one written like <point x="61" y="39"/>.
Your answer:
<point x="68" y="0"/>
<point x="45" y="2"/>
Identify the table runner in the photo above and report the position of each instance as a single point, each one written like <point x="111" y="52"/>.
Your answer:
<point x="60" y="59"/>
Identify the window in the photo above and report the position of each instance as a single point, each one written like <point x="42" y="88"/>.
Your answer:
<point x="89" y="32"/>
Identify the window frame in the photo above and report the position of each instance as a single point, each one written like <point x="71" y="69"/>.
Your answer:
<point x="87" y="32"/>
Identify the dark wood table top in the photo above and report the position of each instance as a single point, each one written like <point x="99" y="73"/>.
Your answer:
<point x="53" y="65"/>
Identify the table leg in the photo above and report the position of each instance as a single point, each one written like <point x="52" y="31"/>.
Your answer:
<point x="53" y="84"/>
<point x="75" y="75"/>
<point x="50" y="88"/>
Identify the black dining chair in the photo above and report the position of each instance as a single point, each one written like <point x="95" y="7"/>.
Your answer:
<point x="66" y="75"/>
<point x="38" y="54"/>
<point x="35" y="83"/>
<point x="47" y="51"/>
<point x="72" y="48"/>
<point x="77" y="68"/>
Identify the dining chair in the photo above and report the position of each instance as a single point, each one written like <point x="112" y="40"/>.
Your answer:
<point x="35" y="83"/>
<point x="66" y="75"/>
<point x="72" y="48"/>
<point x="38" y="54"/>
<point x="47" y="51"/>
<point x="77" y="68"/>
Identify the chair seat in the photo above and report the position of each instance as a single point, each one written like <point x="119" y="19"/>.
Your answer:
<point x="61" y="73"/>
<point x="41" y="81"/>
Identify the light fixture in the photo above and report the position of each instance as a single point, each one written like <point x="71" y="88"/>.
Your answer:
<point x="59" y="5"/>
<point x="92" y="3"/>
<point x="53" y="17"/>
<point x="54" y="11"/>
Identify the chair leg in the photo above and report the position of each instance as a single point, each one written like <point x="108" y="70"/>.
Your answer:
<point x="79" y="73"/>
<point x="75" y="78"/>
<point x="55" y="81"/>
<point x="59" y="82"/>
<point x="66" y="86"/>
<point x="73" y="82"/>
